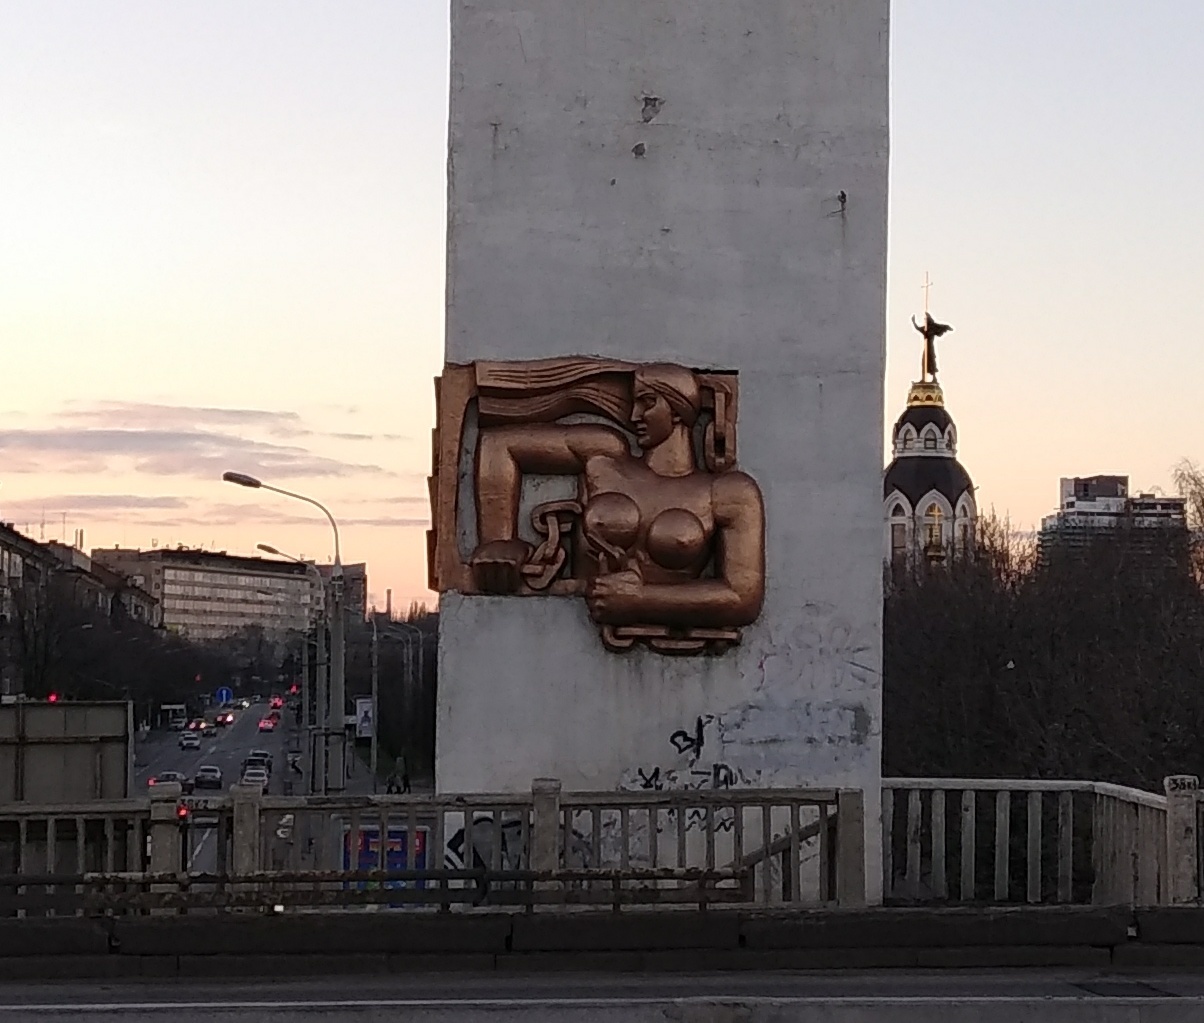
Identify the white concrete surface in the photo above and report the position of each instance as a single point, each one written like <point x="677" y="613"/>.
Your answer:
<point x="722" y="246"/>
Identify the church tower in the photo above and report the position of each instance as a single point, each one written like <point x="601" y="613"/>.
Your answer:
<point x="928" y="496"/>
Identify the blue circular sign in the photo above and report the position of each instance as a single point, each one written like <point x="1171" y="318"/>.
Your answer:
<point x="224" y="695"/>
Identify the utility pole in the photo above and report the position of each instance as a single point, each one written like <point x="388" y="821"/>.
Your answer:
<point x="323" y="711"/>
<point x="375" y="703"/>
<point x="337" y="713"/>
<point x="307" y="745"/>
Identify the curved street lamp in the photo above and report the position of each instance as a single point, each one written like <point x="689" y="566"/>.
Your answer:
<point x="336" y="770"/>
<point x="243" y="480"/>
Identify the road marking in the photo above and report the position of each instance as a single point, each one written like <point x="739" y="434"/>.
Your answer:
<point x="841" y="1001"/>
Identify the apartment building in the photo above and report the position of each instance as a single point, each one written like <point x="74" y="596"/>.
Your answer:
<point x="207" y="595"/>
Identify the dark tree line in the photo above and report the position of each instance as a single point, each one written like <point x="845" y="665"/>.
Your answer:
<point x="56" y="643"/>
<point x="1083" y="662"/>
<point x="407" y="685"/>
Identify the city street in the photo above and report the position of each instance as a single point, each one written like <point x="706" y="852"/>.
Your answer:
<point x="224" y="748"/>
<point x="907" y="996"/>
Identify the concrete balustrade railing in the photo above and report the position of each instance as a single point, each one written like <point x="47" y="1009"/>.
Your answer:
<point x="783" y="845"/>
<point x="967" y="840"/>
<point x="749" y="846"/>
<point x="948" y="840"/>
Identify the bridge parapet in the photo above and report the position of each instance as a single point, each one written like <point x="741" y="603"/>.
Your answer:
<point x="801" y="847"/>
<point x="970" y="840"/>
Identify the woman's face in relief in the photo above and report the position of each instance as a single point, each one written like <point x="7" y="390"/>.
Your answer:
<point x="651" y="416"/>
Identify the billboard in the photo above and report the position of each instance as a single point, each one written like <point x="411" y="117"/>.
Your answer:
<point x="65" y="752"/>
<point x="365" y="720"/>
<point x="367" y="855"/>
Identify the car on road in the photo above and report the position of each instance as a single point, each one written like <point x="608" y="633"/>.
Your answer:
<point x="207" y="777"/>
<point x="258" y="762"/>
<point x="261" y="754"/>
<point x="200" y="725"/>
<point x="256" y="776"/>
<point x="166" y="777"/>
<point x="267" y="725"/>
<point x="277" y="702"/>
<point x="190" y="740"/>
<point x="226" y="717"/>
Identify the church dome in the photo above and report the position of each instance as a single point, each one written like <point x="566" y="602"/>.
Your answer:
<point x="915" y="476"/>
<point x="928" y="495"/>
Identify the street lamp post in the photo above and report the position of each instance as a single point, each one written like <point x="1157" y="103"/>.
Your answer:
<point x="335" y="774"/>
<point x="313" y="755"/>
<point x="408" y="698"/>
<point x="409" y="671"/>
<point x="372" y="759"/>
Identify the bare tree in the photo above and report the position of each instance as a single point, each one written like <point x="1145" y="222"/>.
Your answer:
<point x="1087" y="664"/>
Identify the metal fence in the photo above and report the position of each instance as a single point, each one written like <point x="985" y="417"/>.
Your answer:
<point x="963" y="840"/>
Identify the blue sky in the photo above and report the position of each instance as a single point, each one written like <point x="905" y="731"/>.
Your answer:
<point x="223" y="248"/>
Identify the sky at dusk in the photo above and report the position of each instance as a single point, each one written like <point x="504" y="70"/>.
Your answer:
<point x="222" y="248"/>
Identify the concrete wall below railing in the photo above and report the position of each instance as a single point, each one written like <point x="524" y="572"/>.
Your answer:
<point x="403" y="941"/>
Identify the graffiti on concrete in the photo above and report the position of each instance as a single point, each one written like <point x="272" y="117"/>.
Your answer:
<point x="512" y="853"/>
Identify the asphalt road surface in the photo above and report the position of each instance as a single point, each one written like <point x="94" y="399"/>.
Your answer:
<point x="225" y="748"/>
<point x="909" y="997"/>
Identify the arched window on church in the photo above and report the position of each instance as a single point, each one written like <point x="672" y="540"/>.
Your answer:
<point x="898" y="532"/>
<point x="929" y="441"/>
<point x="963" y="531"/>
<point x="934" y="527"/>
<point x="909" y="439"/>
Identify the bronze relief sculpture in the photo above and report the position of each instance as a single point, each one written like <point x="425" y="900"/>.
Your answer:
<point x="663" y="537"/>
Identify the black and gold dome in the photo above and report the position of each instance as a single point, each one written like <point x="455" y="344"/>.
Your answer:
<point x="928" y="494"/>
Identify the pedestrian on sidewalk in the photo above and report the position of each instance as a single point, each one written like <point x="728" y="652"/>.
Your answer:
<point x="402" y="768"/>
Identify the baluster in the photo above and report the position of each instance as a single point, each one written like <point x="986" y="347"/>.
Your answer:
<point x="654" y="836"/>
<point x="1034" y="848"/>
<point x="596" y="838"/>
<point x="1003" y="815"/>
<point x="624" y="838"/>
<point x="382" y="824"/>
<point x="710" y="836"/>
<point x="110" y="846"/>
<point x="915" y="824"/>
<point x="412" y="843"/>
<point x="52" y="857"/>
<point x="1065" y="846"/>
<point x="353" y="842"/>
<point x="940" y="885"/>
<point x="470" y="847"/>
<point x="738" y="835"/>
<point x="796" y="888"/>
<point x="827" y="890"/>
<point x="437" y="856"/>
<point x="888" y="844"/>
<point x="969" y="806"/>
<point x="766" y="859"/>
<point x="683" y="814"/>
<point x="495" y="854"/>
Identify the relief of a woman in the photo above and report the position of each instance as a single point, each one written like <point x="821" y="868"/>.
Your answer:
<point x="670" y="544"/>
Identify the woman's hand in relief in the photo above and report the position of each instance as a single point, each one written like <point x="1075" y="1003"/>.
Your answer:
<point x="497" y="565"/>
<point x="613" y="599"/>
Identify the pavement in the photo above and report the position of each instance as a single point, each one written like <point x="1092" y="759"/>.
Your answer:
<point x="1027" y="996"/>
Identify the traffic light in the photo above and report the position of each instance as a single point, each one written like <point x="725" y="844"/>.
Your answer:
<point x="182" y="812"/>
<point x="52" y="698"/>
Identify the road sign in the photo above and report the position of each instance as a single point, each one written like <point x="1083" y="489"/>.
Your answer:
<point x="224" y="695"/>
<point x="365" y="724"/>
